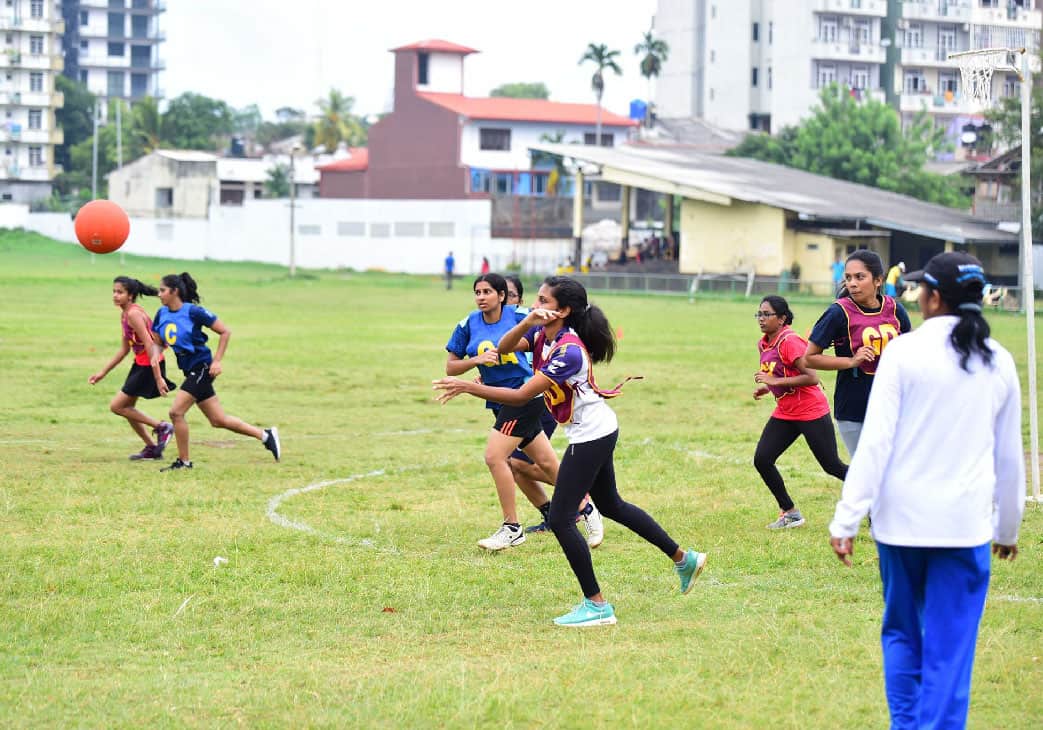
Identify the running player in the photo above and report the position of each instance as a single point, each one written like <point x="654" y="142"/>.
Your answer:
<point x="801" y="407"/>
<point x="146" y="379"/>
<point x="179" y="324"/>
<point x="566" y="336"/>
<point x="858" y="327"/>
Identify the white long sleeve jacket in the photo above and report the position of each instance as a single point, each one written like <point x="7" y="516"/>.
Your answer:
<point x="940" y="459"/>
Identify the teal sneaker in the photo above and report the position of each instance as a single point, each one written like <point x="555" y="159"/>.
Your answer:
<point x="693" y="565"/>
<point x="588" y="613"/>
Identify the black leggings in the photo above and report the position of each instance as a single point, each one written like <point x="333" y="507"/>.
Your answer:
<point x="779" y="435"/>
<point x="587" y="468"/>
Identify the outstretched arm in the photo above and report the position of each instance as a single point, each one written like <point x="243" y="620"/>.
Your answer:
<point x="814" y="358"/>
<point x="456" y="365"/>
<point x="453" y="387"/>
<point x="116" y="360"/>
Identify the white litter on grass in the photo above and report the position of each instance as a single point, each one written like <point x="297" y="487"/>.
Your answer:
<point x="219" y="561"/>
<point x="1019" y="599"/>
<point x="182" y="606"/>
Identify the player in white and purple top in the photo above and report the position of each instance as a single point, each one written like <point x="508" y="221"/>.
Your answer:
<point x="567" y="336"/>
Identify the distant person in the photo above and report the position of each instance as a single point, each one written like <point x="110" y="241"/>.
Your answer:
<point x="485" y="266"/>
<point x="940" y="466"/>
<point x="894" y="279"/>
<point x="145" y="379"/>
<point x="838" y="274"/>
<point x="450" y="264"/>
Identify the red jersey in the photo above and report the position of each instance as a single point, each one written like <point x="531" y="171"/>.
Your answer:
<point x="140" y="349"/>
<point x="778" y="355"/>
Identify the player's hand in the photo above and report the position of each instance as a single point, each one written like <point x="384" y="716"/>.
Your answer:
<point x="215" y="369"/>
<point x="95" y="378"/>
<point x="765" y="379"/>
<point x="161" y="385"/>
<point x="760" y="392"/>
<point x="844" y="547"/>
<point x="489" y="357"/>
<point x="864" y="354"/>
<point x="451" y="388"/>
<point x="1004" y="552"/>
<point x="540" y="316"/>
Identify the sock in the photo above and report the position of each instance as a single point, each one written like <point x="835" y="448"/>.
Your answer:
<point x="267" y="436"/>
<point x="545" y="511"/>
<point x="513" y="525"/>
<point x="599" y="604"/>
<point x="683" y="561"/>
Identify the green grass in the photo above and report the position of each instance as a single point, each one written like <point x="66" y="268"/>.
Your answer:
<point x="377" y="609"/>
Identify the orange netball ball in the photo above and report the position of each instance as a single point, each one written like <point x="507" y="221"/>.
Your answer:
<point x="102" y="226"/>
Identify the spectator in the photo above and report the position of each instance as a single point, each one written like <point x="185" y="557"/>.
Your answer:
<point x="450" y="264"/>
<point x="838" y="274"/>
<point x="894" y="279"/>
<point x="485" y="265"/>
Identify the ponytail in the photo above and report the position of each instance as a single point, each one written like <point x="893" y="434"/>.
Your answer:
<point x="135" y="288"/>
<point x="185" y="286"/>
<point x="589" y="322"/>
<point x="971" y="333"/>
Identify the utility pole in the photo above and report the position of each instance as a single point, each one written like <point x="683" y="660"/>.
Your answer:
<point x="293" y="198"/>
<point x="119" y="133"/>
<point x="94" y="156"/>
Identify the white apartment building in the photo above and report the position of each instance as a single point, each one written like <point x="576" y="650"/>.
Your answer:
<point x="31" y="58"/>
<point x="112" y="46"/>
<point x="760" y="64"/>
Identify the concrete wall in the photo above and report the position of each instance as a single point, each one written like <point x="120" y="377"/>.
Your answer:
<point x="732" y="238"/>
<point x="410" y="236"/>
<point x="445" y="73"/>
<point x="194" y="185"/>
<point x="522" y="135"/>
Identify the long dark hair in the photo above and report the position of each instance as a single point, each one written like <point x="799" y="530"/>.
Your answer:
<point x="135" y="288"/>
<point x="185" y="286"/>
<point x="781" y="307"/>
<point x="497" y="282"/>
<point x="589" y="322"/>
<point x="872" y="262"/>
<point x="971" y="333"/>
<point x="514" y="279"/>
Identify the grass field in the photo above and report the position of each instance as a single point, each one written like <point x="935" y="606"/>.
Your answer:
<point x="354" y="594"/>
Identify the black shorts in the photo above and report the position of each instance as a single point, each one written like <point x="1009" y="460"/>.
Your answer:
<point x="521" y="421"/>
<point x="198" y="383"/>
<point x="549" y="426"/>
<point x="141" y="383"/>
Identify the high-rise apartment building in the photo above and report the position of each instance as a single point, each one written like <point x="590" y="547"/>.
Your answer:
<point x="31" y="58"/>
<point x="761" y="64"/>
<point x="112" y="46"/>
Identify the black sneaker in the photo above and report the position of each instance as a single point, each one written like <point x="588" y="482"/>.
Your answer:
<point x="177" y="464"/>
<point x="271" y="441"/>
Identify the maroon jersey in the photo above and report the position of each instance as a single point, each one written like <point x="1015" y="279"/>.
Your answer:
<point x="141" y="354"/>
<point x="871" y="329"/>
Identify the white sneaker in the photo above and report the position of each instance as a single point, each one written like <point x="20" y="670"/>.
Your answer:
<point x="503" y="538"/>
<point x="595" y="526"/>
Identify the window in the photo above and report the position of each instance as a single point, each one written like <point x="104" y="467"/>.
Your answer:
<point x="609" y="192"/>
<point x="856" y="4"/>
<point x="85" y="45"/>
<point x="35" y="81"/>
<point x="914" y="36"/>
<point x="713" y="55"/>
<point x="36" y="8"/>
<point x="607" y="140"/>
<point x="422" y="63"/>
<point x="1010" y="85"/>
<point x="35" y="119"/>
<point x="116" y="25"/>
<point x="827" y="29"/>
<point x="770" y="77"/>
<point x="114" y="83"/>
<point x="860" y="77"/>
<point x="84" y="17"/>
<point x="164" y="197"/>
<point x="756" y="32"/>
<point x="9" y="38"/>
<point x="139" y="26"/>
<point x="441" y="230"/>
<point x="861" y="33"/>
<point x="753" y="77"/>
<point x="409" y="229"/>
<point x="826" y="75"/>
<point x="35" y="155"/>
<point x="946" y="41"/>
<point x="539" y="183"/>
<point x="116" y="49"/>
<point x="36" y="44"/>
<point x="351" y="228"/>
<point x="479" y="181"/>
<point x="914" y="82"/>
<point x="947" y="82"/>
<point x="494" y="139"/>
<point x="380" y="230"/>
<point x="83" y="76"/>
<point x="771" y="32"/>
<point x="503" y="183"/>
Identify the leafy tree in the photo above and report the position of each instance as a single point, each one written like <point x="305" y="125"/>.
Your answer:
<point x="862" y="142"/>
<point x="196" y="122"/>
<point x="277" y="184"/>
<point x="336" y="123"/>
<point x="603" y="58"/>
<point x="247" y="120"/>
<point x="1006" y="120"/>
<point x="654" y="52"/>
<point x="146" y="125"/>
<point x="522" y="90"/>
<point x="76" y="117"/>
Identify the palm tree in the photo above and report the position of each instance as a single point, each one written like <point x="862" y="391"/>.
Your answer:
<point x="336" y="123"/>
<point x="146" y="125"/>
<point x="655" y="51"/>
<point x="599" y="55"/>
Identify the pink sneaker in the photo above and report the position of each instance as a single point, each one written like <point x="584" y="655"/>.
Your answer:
<point x="149" y="452"/>
<point x="162" y="432"/>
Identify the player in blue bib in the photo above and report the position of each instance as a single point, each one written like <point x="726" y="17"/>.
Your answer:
<point x="179" y="324"/>
<point x="473" y="344"/>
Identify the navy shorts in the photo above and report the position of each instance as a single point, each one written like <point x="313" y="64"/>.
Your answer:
<point x="521" y="421"/>
<point x="548" y="424"/>
<point x="198" y="383"/>
<point x="141" y="383"/>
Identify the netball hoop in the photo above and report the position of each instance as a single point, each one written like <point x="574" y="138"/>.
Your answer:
<point x="977" y="68"/>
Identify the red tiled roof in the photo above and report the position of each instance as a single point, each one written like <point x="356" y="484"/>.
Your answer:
<point x="526" y="110"/>
<point x="359" y="160"/>
<point x="436" y="45"/>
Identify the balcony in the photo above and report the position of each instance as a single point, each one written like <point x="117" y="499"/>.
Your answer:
<point x="930" y="57"/>
<point x="1010" y="17"/>
<point x="939" y="11"/>
<point x="33" y="61"/>
<point x="847" y="51"/>
<point x="937" y="103"/>
<point x="37" y="98"/>
<point x="869" y="8"/>
<point x="22" y="23"/>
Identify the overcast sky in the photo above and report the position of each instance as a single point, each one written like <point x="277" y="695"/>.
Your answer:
<point x="276" y="53"/>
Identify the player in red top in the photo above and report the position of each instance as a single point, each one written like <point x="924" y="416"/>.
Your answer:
<point x="801" y="408"/>
<point x="145" y="380"/>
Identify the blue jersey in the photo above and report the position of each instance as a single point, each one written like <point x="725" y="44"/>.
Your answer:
<point x="183" y="331"/>
<point x="473" y="336"/>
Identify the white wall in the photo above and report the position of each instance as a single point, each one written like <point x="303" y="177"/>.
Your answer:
<point x="676" y="23"/>
<point x="523" y="134"/>
<point x="444" y="74"/>
<point x="330" y="234"/>
<point x="793" y="93"/>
